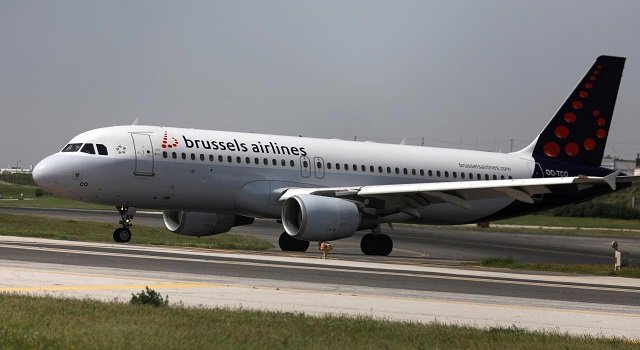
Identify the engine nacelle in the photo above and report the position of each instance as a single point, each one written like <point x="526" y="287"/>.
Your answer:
<point x="194" y="223"/>
<point x="316" y="218"/>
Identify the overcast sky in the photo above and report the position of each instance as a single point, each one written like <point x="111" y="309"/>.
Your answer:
<point x="464" y="74"/>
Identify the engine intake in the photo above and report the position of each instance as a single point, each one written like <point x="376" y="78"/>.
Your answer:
<point x="194" y="223"/>
<point x="316" y="218"/>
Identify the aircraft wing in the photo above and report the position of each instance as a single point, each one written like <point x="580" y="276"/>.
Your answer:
<point x="459" y="192"/>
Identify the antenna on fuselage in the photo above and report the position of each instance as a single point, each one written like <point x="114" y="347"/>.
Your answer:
<point x="135" y="122"/>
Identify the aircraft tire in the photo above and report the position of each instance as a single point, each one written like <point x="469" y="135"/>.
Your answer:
<point x="122" y="235"/>
<point x="376" y="244"/>
<point x="290" y="244"/>
<point x="367" y="244"/>
<point x="384" y="245"/>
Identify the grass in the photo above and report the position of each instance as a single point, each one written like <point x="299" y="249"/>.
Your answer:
<point x="45" y="322"/>
<point x="548" y="220"/>
<point x="34" y="226"/>
<point x="11" y="192"/>
<point x="588" y="269"/>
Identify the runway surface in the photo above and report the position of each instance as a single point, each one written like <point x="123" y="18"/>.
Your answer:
<point x="575" y="304"/>
<point x="421" y="281"/>
<point x="416" y="244"/>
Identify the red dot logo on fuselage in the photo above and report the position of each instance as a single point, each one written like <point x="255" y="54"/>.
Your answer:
<point x="165" y="141"/>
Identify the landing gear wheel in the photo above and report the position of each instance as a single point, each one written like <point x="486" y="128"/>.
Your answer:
<point x="122" y="235"/>
<point x="376" y="244"/>
<point x="290" y="244"/>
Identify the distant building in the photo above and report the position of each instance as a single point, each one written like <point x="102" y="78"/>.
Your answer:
<point x="629" y="167"/>
<point x="15" y="170"/>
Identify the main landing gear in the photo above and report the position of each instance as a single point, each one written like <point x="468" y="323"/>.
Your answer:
<point x="376" y="243"/>
<point x="290" y="244"/>
<point x="123" y="234"/>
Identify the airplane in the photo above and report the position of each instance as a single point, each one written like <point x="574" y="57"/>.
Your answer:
<point x="206" y="182"/>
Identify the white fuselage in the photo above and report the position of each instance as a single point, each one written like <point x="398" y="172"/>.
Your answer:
<point x="199" y="170"/>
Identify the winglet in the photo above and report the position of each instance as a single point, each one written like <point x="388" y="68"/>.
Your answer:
<point x="611" y="179"/>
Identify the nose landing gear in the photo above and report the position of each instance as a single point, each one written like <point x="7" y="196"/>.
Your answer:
<point x="123" y="234"/>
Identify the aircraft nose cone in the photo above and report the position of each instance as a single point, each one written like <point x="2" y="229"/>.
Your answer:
<point x="43" y="174"/>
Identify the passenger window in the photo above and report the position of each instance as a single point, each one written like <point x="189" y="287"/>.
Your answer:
<point x="461" y="175"/>
<point x="174" y="155"/>
<point x="421" y="172"/>
<point x="405" y="171"/>
<point x="438" y="173"/>
<point x="164" y="154"/>
<point x="413" y="171"/>
<point x="211" y="157"/>
<point x="397" y="170"/>
<point x="355" y="167"/>
<point x="88" y="148"/>
<point x="220" y="159"/>
<point x="363" y="168"/>
<point x="256" y="160"/>
<point x="495" y="177"/>
<point x="479" y="177"/>
<point x="229" y="159"/>
<point x="193" y="156"/>
<point x="72" y="147"/>
<point x="292" y="163"/>
<point x="486" y="176"/>
<point x="274" y="162"/>
<point x="470" y="176"/>
<point x="184" y="156"/>
<point x="102" y="150"/>
<point x="238" y="160"/>
<point x="248" y="160"/>
<point x="202" y="157"/>
<point x="510" y="178"/>
<point x="380" y="169"/>
<point x="430" y="173"/>
<point x="388" y="170"/>
<point x="318" y="165"/>
<point x="304" y="164"/>
<point x="455" y="175"/>
<point x="501" y="177"/>
<point x="283" y="162"/>
<point x="266" y="162"/>
<point x="371" y="168"/>
<point x="446" y="174"/>
<point x="328" y="165"/>
<point x="337" y="166"/>
<point x="346" y="167"/>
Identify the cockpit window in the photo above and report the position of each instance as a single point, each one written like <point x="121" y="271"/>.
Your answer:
<point x="72" y="147"/>
<point x="102" y="150"/>
<point x="88" y="148"/>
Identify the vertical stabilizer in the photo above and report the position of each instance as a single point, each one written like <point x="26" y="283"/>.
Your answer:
<point x="578" y="131"/>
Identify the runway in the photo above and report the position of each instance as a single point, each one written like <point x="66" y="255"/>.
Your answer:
<point x="423" y="280"/>
<point x="575" y="304"/>
<point x="415" y="244"/>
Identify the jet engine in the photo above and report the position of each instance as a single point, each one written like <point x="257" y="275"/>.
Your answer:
<point x="316" y="218"/>
<point x="194" y="223"/>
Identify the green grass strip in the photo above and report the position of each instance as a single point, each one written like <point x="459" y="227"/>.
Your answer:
<point x="588" y="269"/>
<point x="42" y="227"/>
<point x="50" y="323"/>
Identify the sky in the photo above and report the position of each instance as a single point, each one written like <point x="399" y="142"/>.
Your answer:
<point x="462" y="74"/>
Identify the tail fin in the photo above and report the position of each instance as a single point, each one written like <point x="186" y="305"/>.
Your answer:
<point x="578" y="131"/>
